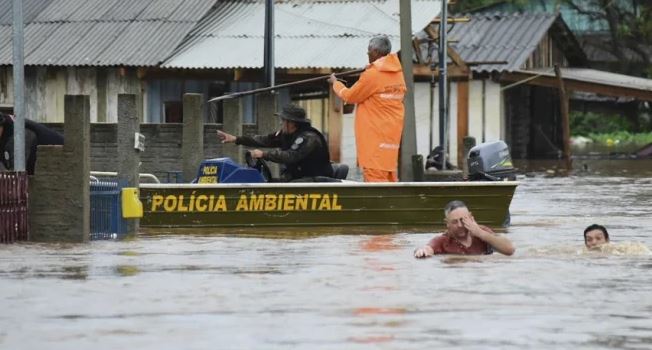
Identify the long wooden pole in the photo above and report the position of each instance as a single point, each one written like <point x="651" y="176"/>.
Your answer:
<point x="409" y="135"/>
<point x="268" y="51"/>
<point x="565" y="120"/>
<point x="443" y="83"/>
<point x="280" y="86"/>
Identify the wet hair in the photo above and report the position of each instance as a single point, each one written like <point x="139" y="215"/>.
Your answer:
<point x="596" y="227"/>
<point x="452" y="205"/>
<point x="380" y="44"/>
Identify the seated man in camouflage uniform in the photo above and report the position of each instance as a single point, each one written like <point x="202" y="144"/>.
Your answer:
<point x="302" y="149"/>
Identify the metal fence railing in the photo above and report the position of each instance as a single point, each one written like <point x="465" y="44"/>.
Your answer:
<point x="14" y="223"/>
<point x="106" y="210"/>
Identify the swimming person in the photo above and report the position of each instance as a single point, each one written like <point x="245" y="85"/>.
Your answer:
<point x="464" y="236"/>
<point x="595" y="236"/>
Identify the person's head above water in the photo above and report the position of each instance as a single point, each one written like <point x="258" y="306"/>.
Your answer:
<point x="455" y="212"/>
<point x="595" y="235"/>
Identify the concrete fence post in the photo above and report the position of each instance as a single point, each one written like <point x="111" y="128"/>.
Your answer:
<point x="128" y="156"/>
<point x="60" y="197"/>
<point x="192" y="147"/>
<point x="232" y="124"/>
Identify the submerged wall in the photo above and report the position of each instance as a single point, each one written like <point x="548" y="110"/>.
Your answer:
<point x="162" y="146"/>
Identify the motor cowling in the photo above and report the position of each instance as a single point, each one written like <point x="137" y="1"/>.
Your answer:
<point x="491" y="161"/>
<point x="225" y="170"/>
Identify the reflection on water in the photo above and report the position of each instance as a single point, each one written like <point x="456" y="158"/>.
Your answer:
<point x="352" y="288"/>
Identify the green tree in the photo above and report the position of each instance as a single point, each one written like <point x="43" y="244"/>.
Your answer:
<point x="628" y="31"/>
<point x="468" y="5"/>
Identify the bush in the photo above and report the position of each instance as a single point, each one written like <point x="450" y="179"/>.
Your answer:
<point x="621" y="137"/>
<point x="584" y="124"/>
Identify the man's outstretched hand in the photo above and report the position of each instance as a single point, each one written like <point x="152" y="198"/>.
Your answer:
<point x="224" y="137"/>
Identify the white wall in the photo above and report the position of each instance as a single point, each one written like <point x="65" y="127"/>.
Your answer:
<point x="348" y="150"/>
<point x="45" y="88"/>
<point x="487" y="125"/>
<point x="426" y="127"/>
<point x="495" y="122"/>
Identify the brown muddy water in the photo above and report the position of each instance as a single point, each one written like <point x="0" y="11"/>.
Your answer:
<point x="359" y="290"/>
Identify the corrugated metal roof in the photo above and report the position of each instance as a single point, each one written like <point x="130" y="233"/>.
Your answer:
<point x="248" y="53"/>
<point x="508" y="38"/>
<point x="597" y="77"/>
<point x="102" y="32"/>
<point x="500" y="37"/>
<point x="31" y="8"/>
<point x="307" y="34"/>
<point x="144" y="41"/>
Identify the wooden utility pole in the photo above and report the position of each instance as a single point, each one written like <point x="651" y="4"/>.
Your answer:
<point x="409" y="137"/>
<point x="565" y="119"/>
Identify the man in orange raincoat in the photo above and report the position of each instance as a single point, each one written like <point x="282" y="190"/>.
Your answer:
<point x="379" y="117"/>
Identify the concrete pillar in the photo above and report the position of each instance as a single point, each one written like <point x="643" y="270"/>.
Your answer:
<point x="47" y="190"/>
<point x="77" y="146"/>
<point x="192" y="147"/>
<point x="128" y="156"/>
<point x="232" y="124"/>
<point x="102" y="113"/>
<point x="60" y="197"/>
<point x="267" y="122"/>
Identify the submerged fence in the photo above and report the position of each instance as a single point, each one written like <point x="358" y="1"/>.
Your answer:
<point x="14" y="224"/>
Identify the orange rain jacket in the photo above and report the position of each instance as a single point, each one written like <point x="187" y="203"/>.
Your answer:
<point x="379" y="117"/>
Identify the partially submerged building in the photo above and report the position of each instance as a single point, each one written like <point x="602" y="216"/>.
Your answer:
<point x="501" y="85"/>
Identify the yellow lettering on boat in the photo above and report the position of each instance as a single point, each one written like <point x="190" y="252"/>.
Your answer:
<point x="181" y="207"/>
<point x="207" y="180"/>
<point x="221" y="204"/>
<point x="210" y="170"/>
<point x="270" y="202"/>
<point x="157" y="200"/>
<point x="325" y="203"/>
<point x="288" y="204"/>
<point x="336" y="206"/>
<point x="200" y="203"/>
<point x="170" y="203"/>
<point x="314" y="198"/>
<point x="301" y="202"/>
<point x="257" y="203"/>
<point x="279" y="202"/>
<point x="242" y="203"/>
<point x="191" y="205"/>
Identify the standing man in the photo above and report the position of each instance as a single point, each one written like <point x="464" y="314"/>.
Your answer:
<point x="302" y="149"/>
<point x="464" y="236"/>
<point x="379" y="116"/>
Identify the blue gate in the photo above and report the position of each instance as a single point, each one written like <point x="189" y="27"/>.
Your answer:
<point x="106" y="210"/>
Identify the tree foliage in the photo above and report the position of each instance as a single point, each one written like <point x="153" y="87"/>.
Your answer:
<point x="462" y="6"/>
<point x="627" y="26"/>
<point x="629" y="29"/>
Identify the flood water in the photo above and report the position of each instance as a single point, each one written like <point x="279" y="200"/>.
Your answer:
<point x="354" y="291"/>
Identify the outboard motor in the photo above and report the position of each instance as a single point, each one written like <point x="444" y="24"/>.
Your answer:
<point x="491" y="161"/>
<point x="225" y="170"/>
